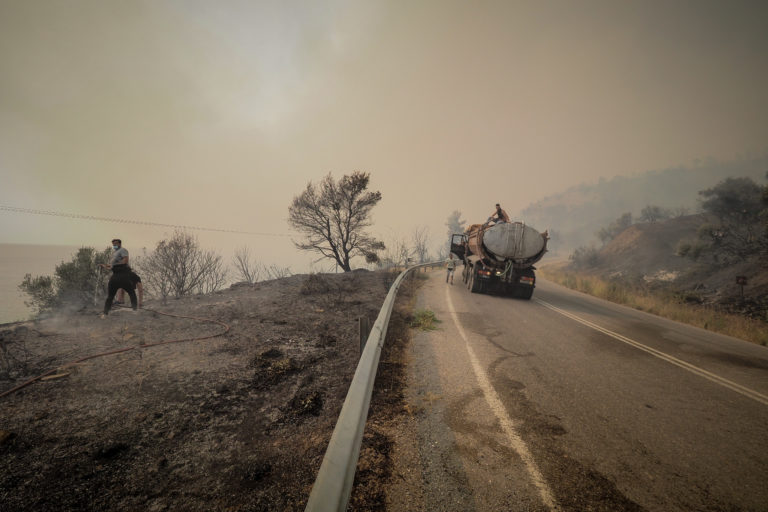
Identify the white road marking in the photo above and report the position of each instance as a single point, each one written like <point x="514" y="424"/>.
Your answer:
<point x="750" y="393"/>
<point x="507" y="424"/>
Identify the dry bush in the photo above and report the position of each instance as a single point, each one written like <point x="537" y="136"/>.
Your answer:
<point x="246" y="268"/>
<point x="179" y="267"/>
<point x="315" y="284"/>
<point x="673" y="306"/>
<point x="14" y="356"/>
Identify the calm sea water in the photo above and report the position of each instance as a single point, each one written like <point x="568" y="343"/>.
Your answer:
<point x="16" y="260"/>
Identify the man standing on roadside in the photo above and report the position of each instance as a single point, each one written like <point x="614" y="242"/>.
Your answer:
<point x="451" y="266"/>
<point x="121" y="276"/>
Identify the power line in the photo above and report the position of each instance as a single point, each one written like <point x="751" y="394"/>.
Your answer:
<point x="129" y="221"/>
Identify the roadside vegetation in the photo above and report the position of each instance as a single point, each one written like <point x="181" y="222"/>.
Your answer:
<point x="664" y="303"/>
<point x="684" y="267"/>
<point x="424" y="320"/>
<point x="75" y="284"/>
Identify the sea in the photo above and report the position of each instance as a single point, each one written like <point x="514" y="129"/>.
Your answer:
<point x="16" y="260"/>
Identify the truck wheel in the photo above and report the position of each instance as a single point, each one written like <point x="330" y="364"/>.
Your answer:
<point x="476" y="284"/>
<point x="527" y="294"/>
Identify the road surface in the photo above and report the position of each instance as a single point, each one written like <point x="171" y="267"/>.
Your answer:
<point x="567" y="402"/>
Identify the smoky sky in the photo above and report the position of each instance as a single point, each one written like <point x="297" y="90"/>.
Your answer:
<point x="217" y="113"/>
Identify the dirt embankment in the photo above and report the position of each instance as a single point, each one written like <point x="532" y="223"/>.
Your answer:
<point x="236" y="422"/>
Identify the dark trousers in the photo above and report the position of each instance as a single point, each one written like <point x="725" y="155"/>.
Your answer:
<point x="119" y="279"/>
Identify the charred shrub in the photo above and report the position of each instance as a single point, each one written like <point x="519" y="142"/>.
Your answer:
<point x="270" y="372"/>
<point x="306" y="403"/>
<point x="265" y="358"/>
<point x="315" y="284"/>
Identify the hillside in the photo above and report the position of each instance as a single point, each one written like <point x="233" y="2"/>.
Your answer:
<point x="239" y="421"/>
<point x="649" y="249"/>
<point x="577" y="213"/>
<point x="646" y="253"/>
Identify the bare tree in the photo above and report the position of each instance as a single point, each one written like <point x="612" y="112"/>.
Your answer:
<point x="420" y="239"/>
<point x="179" y="266"/>
<point x="398" y="252"/>
<point x="442" y="252"/>
<point x="246" y="267"/>
<point x="333" y="216"/>
<point x="276" y="271"/>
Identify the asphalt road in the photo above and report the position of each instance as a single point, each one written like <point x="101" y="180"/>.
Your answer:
<point x="567" y="402"/>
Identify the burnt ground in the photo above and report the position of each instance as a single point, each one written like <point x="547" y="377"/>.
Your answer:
<point x="235" y="422"/>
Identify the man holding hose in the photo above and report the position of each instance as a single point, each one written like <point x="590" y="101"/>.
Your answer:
<point x="121" y="276"/>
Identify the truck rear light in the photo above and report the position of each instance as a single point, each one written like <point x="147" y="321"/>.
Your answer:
<point x="484" y="273"/>
<point x="526" y="280"/>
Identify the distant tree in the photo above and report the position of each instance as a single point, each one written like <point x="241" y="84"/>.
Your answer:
<point x="614" y="228"/>
<point x="179" y="266"/>
<point x="333" y="216"/>
<point x="246" y="268"/>
<point x="585" y="257"/>
<point x="398" y="252"/>
<point x="420" y="239"/>
<point x="680" y="211"/>
<point x="455" y="223"/>
<point x="76" y="283"/>
<point x="653" y="213"/>
<point x="734" y="199"/>
<point x="738" y="207"/>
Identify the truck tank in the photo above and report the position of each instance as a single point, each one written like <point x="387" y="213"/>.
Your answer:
<point x="500" y="258"/>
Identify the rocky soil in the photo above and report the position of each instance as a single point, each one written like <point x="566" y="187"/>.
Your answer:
<point x="239" y="421"/>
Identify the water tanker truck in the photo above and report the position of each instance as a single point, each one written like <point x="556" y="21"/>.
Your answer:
<point x="499" y="258"/>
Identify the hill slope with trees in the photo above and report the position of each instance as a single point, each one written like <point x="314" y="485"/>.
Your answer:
<point x="575" y="216"/>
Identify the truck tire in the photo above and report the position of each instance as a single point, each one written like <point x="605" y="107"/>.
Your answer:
<point x="476" y="284"/>
<point x="525" y="292"/>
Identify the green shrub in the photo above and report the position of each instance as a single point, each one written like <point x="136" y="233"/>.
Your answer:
<point x="424" y="320"/>
<point x="76" y="283"/>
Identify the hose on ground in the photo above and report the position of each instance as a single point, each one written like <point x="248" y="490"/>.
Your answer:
<point x="128" y="349"/>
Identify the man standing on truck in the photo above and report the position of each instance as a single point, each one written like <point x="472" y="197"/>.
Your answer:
<point x="451" y="266"/>
<point x="499" y="216"/>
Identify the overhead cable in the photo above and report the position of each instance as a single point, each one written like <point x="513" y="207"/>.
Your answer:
<point x="129" y="221"/>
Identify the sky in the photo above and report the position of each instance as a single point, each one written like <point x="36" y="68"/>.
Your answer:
<point x="216" y="114"/>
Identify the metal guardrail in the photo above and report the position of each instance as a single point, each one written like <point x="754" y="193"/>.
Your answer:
<point x="333" y="484"/>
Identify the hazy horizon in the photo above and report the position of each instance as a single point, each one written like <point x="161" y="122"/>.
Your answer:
<point x="217" y="114"/>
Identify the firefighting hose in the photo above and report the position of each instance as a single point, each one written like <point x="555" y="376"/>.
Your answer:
<point x="128" y="349"/>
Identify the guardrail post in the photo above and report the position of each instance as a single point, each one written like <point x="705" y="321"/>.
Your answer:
<point x="364" y="327"/>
